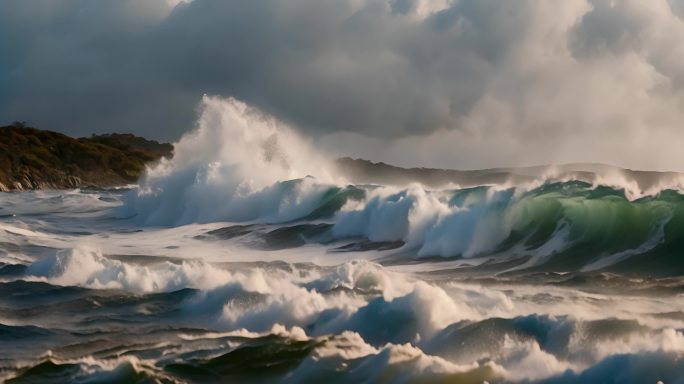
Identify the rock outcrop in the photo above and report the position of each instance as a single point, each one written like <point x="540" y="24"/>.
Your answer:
<point x="37" y="159"/>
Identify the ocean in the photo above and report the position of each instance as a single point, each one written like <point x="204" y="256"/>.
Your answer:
<point x="247" y="258"/>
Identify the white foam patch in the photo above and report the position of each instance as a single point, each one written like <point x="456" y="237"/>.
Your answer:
<point x="427" y="222"/>
<point x="314" y="301"/>
<point x="525" y="361"/>
<point x="85" y="266"/>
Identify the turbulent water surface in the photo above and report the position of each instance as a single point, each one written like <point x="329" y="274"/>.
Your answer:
<point x="231" y="264"/>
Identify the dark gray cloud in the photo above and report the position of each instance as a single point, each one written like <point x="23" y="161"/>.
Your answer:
<point x="484" y="75"/>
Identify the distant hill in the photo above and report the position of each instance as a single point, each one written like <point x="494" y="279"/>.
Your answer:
<point x="364" y="171"/>
<point x="37" y="159"/>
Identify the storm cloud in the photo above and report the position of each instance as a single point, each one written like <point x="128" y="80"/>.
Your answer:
<point x="463" y="83"/>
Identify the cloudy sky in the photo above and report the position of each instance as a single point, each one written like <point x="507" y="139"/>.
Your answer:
<point x="449" y="83"/>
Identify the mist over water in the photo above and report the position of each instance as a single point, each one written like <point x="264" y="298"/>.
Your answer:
<point x="251" y="257"/>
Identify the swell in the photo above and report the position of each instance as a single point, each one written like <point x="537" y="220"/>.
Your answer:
<point x="203" y="322"/>
<point x="569" y="226"/>
<point x="244" y="167"/>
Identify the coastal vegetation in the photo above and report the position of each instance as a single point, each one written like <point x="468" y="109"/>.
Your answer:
<point x="38" y="159"/>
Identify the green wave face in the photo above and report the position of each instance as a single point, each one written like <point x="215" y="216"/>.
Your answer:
<point x="588" y="224"/>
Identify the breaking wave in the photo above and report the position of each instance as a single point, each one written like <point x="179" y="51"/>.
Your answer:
<point x="243" y="167"/>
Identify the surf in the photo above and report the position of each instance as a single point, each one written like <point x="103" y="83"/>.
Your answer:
<point x="250" y="256"/>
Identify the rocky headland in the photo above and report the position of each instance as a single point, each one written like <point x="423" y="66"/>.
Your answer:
<point x="37" y="159"/>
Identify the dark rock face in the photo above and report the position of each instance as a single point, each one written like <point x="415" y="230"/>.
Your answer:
<point x="36" y="159"/>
